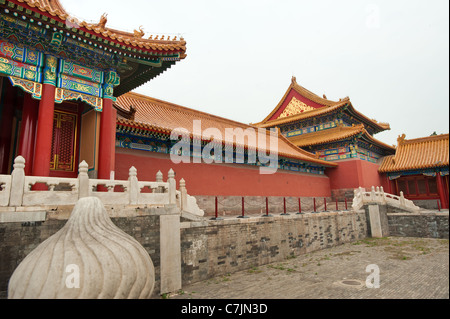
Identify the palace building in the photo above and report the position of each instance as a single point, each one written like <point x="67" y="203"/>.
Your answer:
<point x="419" y="168"/>
<point x="66" y="96"/>
<point x="59" y="80"/>
<point x="335" y="132"/>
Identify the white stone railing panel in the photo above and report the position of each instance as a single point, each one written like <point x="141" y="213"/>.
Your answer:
<point x="153" y="199"/>
<point x="110" y="185"/>
<point x="51" y="196"/>
<point x="378" y="196"/>
<point x="156" y="187"/>
<point x="5" y="189"/>
<point x="16" y="190"/>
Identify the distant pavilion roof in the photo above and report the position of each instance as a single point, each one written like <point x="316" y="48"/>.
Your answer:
<point x="314" y="106"/>
<point x="419" y="153"/>
<point x="338" y="133"/>
<point x="161" y="116"/>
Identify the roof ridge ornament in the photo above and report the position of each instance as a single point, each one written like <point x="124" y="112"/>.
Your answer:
<point x="139" y="34"/>
<point x="103" y="20"/>
<point x="401" y="139"/>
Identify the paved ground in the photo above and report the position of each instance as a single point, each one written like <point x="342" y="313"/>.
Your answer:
<point x="408" y="268"/>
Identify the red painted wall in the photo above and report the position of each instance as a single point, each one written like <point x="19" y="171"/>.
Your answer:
<point x="221" y="179"/>
<point x="355" y="173"/>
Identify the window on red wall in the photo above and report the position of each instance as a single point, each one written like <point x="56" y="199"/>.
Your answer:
<point x="422" y="186"/>
<point x="432" y="186"/>
<point x="401" y="186"/>
<point x="412" y="187"/>
<point x="418" y="186"/>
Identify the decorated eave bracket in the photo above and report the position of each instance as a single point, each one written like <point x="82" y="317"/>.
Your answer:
<point x="77" y="82"/>
<point x="30" y="69"/>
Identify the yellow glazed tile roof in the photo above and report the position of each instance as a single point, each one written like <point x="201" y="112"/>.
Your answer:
<point x="419" y="153"/>
<point x="326" y="136"/>
<point x="136" y="39"/>
<point x="338" y="133"/>
<point x="158" y="115"/>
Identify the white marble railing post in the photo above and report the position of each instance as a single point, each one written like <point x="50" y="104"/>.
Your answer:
<point x="383" y="195"/>
<point x="402" y="199"/>
<point x="172" y="187"/>
<point x="17" y="182"/>
<point x="183" y="193"/>
<point x="373" y="196"/>
<point x="133" y="186"/>
<point x="159" y="179"/>
<point x="83" y="180"/>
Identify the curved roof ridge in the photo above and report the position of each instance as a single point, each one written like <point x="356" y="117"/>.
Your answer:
<point x="424" y="139"/>
<point x="305" y="93"/>
<point x="136" y="39"/>
<point x="312" y="96"/>
<point x="419" y="153"/>
<point x="185" y="109"/>
<point x="303" y="115"/>
<point x="155" y="114"/>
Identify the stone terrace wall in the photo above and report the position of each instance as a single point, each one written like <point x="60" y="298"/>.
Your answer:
<point x="17" y="240"/>
<point x="423" y="224"/>
<point x="231" y="245"/>
<point x="214" y="248"/>
<point x="208" y="248"/>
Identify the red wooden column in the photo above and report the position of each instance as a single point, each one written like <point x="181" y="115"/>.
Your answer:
<point x="44" y="132"/>
<point x="106" y="156"/>
<point x="6" y="116"/>
<point x="389" y="185"/>
<point x="441" y="191"/>
<point x="28" y="131"/>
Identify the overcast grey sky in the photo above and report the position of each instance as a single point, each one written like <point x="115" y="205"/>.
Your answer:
<point x="390" y="57"/>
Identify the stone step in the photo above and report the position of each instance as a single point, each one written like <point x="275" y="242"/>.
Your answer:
<point x="22" y="214"/>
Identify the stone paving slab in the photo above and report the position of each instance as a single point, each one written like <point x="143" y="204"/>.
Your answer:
<point x="409" y="268"/>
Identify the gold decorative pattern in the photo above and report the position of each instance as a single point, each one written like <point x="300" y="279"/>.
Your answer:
<point x="295" y="107"/>
<point x="62" y="95"/>
<point x="34" y="88"/>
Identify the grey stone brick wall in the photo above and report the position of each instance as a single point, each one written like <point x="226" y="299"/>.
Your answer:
<point x="214" y="248"/>
<point x="17" y="240"/>
<point x="423" y="224"/>
<point x="232" y="245"/>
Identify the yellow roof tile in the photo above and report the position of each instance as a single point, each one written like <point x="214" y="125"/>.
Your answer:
<point x="420" y="153"/>
<point x="336" y="134"/>
<point x="154" y="114"/>
<point x="135" y="39"/>
<point x="326" y="136"/>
